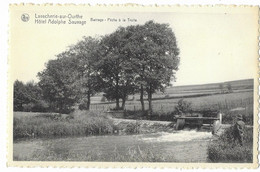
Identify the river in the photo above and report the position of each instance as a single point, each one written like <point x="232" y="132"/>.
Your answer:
<point x="178" y="146"/>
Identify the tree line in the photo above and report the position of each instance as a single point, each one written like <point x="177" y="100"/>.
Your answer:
<point x="137" y="59"/>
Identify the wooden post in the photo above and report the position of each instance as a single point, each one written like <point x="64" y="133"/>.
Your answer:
<point x="200" y="121"/>
<point x="180" y="124"/>
<point x="220" y="117"/>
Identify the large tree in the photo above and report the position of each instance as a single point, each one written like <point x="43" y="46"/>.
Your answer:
<point x="88" y="81"/>
<point x="72" y="78"/>
<point x="58" y="82"/>
<point x="155" y="57"/>
<point x="115" y="67"/>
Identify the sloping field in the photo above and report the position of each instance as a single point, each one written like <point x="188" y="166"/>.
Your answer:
<point x="232" y="100"/>
<point x="194" y="90"/>
<point x="235" y="85"/>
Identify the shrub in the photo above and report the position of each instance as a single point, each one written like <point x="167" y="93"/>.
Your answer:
<point x="28" y="107"/>
<point x="183" y="106"/>
<point x="229" y="117"/>
<point x="226" y="150"/>
<point x="83" y="104"/>
<point x="132" y="128"/>
<point x="40" y="106"/>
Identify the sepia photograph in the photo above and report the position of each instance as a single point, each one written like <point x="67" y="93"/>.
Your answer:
<point x="133" y="84"/>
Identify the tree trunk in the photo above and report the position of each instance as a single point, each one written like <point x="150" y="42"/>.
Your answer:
<point x="117" y="95"/>
<point x="142" y="97"/>
<point x="123" y="103"/>
<point x="150" y="110"/>
<point x="88" y="103"/>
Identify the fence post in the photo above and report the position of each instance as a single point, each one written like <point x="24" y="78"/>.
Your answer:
<point x="226" y="103"/>
<point x="134" y="107"/>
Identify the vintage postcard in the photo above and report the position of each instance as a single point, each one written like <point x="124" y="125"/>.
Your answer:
<point x="133" y="86"/>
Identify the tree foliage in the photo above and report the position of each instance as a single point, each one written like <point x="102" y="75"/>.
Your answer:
<point x="88" y="81"/>
<point x="154" y="52"/>
<point x="28" y="97"/>
<point x="137" y="59"/>
<point x="229" y="88"/>
<point x="115" y="67"/>
<point x="58" y="83"/>
<point x="71" y="78"/>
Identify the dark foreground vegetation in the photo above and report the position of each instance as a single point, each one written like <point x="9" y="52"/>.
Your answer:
<point x="225" y="149"/>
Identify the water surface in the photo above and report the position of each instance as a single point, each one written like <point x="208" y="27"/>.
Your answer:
<point x="180" y="146"/>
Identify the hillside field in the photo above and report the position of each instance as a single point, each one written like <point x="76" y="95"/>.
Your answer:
<point x="201" y="96"/>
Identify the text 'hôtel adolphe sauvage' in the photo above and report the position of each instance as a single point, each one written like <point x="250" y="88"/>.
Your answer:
<point x="60" y="19"/>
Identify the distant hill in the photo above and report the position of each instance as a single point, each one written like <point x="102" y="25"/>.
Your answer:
<point x="195" y="90"/>
<point x="237" y="84"/>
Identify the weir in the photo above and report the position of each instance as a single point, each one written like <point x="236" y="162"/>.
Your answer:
<point x="213" y="119"/>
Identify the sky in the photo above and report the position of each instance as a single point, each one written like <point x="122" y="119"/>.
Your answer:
<point x="215" y="46"/>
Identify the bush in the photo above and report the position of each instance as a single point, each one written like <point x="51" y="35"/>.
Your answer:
<point x="226" y="150"/>
<point x="132" y="128"/>
<point x="83" y="104"/>
<point x="229" y="117"/>
<point x="28" y="107"/>
<point x="183" y="106"/>
<point x="40" y="106"/>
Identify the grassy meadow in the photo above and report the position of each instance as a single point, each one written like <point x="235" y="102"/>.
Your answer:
<point x="231" y="100"/>
<point x="201" y="96"/>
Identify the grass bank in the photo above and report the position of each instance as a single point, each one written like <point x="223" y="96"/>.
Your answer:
<point x="55" y="125"/>
<point x="226" y="150"/>
<point x="132" y="154"/>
